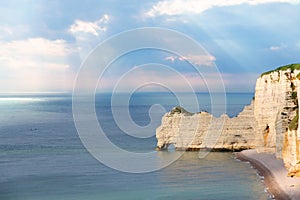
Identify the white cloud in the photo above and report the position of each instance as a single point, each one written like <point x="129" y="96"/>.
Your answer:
<point x="200" y="60"/>
<point x="34" y="52"/>
<point x="89" y="33"/>
<point x="177" y="7"/>
<point x="94" y="28"/>
<point x="171" y="58"/>
<point x="277" y="48"/>
<point x="35" y="64"/>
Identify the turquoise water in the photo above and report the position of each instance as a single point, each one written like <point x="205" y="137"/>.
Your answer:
<point x="42" y="157"/>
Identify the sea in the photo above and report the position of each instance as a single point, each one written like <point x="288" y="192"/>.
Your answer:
<point x="42" y="156"/>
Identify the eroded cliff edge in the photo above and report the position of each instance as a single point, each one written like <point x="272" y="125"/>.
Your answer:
<point x="270" y="121"/>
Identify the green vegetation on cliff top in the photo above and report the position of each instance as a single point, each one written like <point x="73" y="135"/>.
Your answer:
<point x="292" y="67"/>
<point x="179" y="110"/>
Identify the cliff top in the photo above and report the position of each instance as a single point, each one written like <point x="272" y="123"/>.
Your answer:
<point x="292" y="67"/>
<point x="180" y="110"/>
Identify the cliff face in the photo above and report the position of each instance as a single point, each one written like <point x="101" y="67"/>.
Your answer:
<point x="202" y="130"/>
<point x="275" y="106"/>
<point x="290" y="153"/>
<point x="271" y="121"/>
<point x="276" y="111"/>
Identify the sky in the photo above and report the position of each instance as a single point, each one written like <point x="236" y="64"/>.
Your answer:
<point x="44" y="43"/>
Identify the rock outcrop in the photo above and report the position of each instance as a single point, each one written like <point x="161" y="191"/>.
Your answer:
<point x="271" y="121"/>
<point x="202" y="130"/>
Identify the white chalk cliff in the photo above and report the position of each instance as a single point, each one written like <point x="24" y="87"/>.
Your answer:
<point x="270" y="121"/>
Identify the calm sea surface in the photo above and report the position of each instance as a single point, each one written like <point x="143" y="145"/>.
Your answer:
<point x="42" y="157"/>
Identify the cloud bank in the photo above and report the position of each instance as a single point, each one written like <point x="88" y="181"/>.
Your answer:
<point x="94" y="28"/>
<point x="199" y="60"/>
<point x="178" y="7"/>
<point x="34" y="64"/>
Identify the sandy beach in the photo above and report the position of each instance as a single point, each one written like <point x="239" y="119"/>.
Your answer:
<point x="275" y="174"/>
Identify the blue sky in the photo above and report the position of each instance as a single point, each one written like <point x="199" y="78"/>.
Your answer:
<point x="43" y="43"/>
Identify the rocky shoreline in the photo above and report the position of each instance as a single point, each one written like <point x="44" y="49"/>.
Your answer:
<point x="278" y="184"/>
<point x="209" y="149"/>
